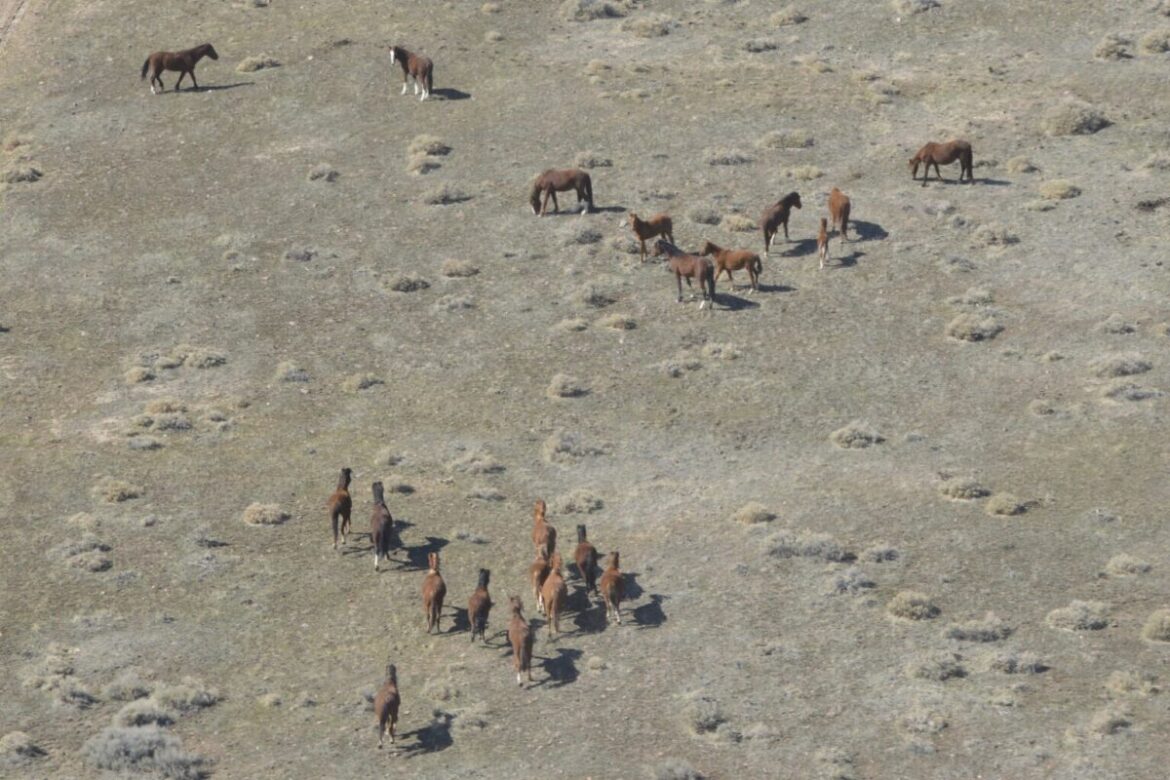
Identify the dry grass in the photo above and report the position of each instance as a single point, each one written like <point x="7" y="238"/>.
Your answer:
<point x="454" y="268"/>
<point x="1079" y="616"/>
<point x="288" y="371"/>
<point x="1123" y="390"/>
<point x="593" y="297"/>
<point x="704" y="216"/>
<point x="910" y="7"/>
<point x="265" y="514"/>
<point x="805" y="544"/>
<point x="188" y="696"/>
<point x="1073" y="118"/>
<point x="1059" y="189"/>
<point x="786" y="139"/>
<point x="1020" y="164"/>
<point x="565" y="447"/>
<point x="576" y="502"/>
<point x="804" y="172"/>
<point x="880" y="553"/>
<point x="676" y="769"/>
<point x="725" y="157"/>
<point x="857" y="435"/>
<point x="590" y="160"/>
<point x="702" y="713"/>
<point x="617" y="321"/>
<point x="138" y="375"/>
<point x="421" y="164"/>
<point x="581" y="235"/>
<point x="939" y="668"/>
<point x="589" y="10"/>
<point x="115" y="491"/>
<point x="851" y="581"/>
<point x="737" y="223"/>
<point x="963" y="489"/>
<point x="258" y="62"/>
<point x="476" y="462"/>
<point x="649" y="25"/>
<point x="490" y="8"/>
<point x="1157" y="626"/>
<point x="788" y="16"/>
<point x="1155" y="42"/>
<point x="444" y="195"/>
<point x="1125" y="565"/>
<point x="1114" y="47"/>
<point x="1122" y="364"/>
<point x="407" y="283"/>
<point x="17" y="749"/>
<point x="144" y="712"/>
<point x="362" y="381"/>
<point x="127" y="686"/>
<point x="485" y="493"/>
<point x="1014" y="662"/>
<point x="759" y="45"/>
<point x="994" y="234"/>
<point x="428" y="146"/>
<point x="1111" y="719"/>
<point x="20" y="173"/>
<point x="323" y="172"/>
<point x="571" y="325"/>
<point x="92" y="561"/>
<point x="493" y="36"/>
<point x="912" y="605"/>
<point x="1132" y="684"/>
<point x="565" y="386"/>
<point x="753" y="513"/>
<point x="142" y="749"/>
<point x="1116" y="325"/>
<point x="164" y="406"/>
<point x="973" y="327"/>
<point x="974" y="296"/>
<point x="990" y="628"/>
<point x="1006" y="505"/>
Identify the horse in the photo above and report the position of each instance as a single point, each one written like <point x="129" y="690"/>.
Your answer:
<point x="544" y="536"/>
<point x="728" y="260"/>
<point x="386" y="705"/>
<point x="554" y="594"/>
<point x="434" y="590"/>
<point x="548" y="183"/>
<point x="479" y="605"/>
<point x="945" y="154"/>
<point x="839" y="211"/>
<point x="823" y="242"/>
<point x="688" y="267"/>
<point x="520" y="636"/>
<point x="340" y="505"/>
<point x="775" y="216"/>
<point x="537" y="573"/>
<point x="586" y="558"/>
<point x="381" y="526"/>
<point x="657" y="225"/>
<point x="182" y="61"/>
<point x="613" y="589"/>
<point x="414" y="66"/>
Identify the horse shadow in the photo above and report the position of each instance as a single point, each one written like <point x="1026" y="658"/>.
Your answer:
<point x="735" y="302"/>
<point x="447" y="93"/>
<point x="633" y="589"/>
<point x="868" y="231"/>
<point x="776" y="288"/>
<point x="609" y="209"/>
<point x="994" y="182"/>
<point x="804" y="246"/>
<point x="460" y="620"/>
<point x="216" y="87"/>
<point x="849" y="260"/>
<point x="590" y="619"/>
<point x="4" y="329"/>
<point x="650" y="615"/>
<point x="416" y="556"/>
<point x="432" y="738"/>
<point x="560" y="669"/>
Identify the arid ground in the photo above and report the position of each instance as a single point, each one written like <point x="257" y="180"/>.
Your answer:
<point x="903" y="517"/>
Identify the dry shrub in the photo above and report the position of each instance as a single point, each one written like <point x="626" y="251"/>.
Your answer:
<point x="1116" y="325"/>
<point x="857" y="435"/>
<point x="565" y="386"/>
<point x="1079" y="616"/>
<point x="805" y="544"/>
<point x="458" y="269"/>
<point x="1005" y="504"/>
<point x="92" y="561"/>
<point x="737" y="223"/>
<point x="52" y="670"/>
<point x="786" y="139"/>
<point x="1155" y="41"/>
<point x="485" y="493"/>
<point x="787" y="16"/>
<point x="813" y="63"/>
<point x="582" y="235"/>
<point x="1157" y="626"/>
<point x="725" y="157"/>
<point x="323" y="172"/>
<point x="1158" y="161"/>
<point x="880" y="553"/>
<point x="289" y="371"/>
<point x="759" y="45"/>
<point x="1124" y="565"/>
<point x="1059" y="189"/>
<point x="851" y="581"/>
<point x="1021" y="164"/>
<point x="572" y="325"/>
<point x="1015" y="662"/>
<point x="203" y="357"/>
<point x="1132" y="684"/>
<point x="421" y="165"/>
<point x="565" y="447"/>
<point x="127" y="686"/>
<point x="139" y="374"/>
<point x="18" y="749"/>
<point x="804" y="172"/>
<point x="142" y="749"/>
<point x="752" y="513"/>
<point x="428" y="145"/>
<point x="1110" y="720"/>
<point x="991" y="628"/>
<point x="649" y="25"/>
<point x="172" y="422"/>
<point x="407" y="283"/>
<point x="592" y="296"/>
<point x="302" y="255"/>
<point x="1039" y="205"/>
<point x="589" y="10"/>
<point x="1123" y="390"/>
<point x="144" y="712"/>
<point x="454" y="303"/>
<point x="188" y="696"/>
<point x="973" y="327"/>
<point x="20" y="173"/>
<point x="577" y="502"/>
<point x="939" y="668"/>
<point x="490" y="8"/>
<point x="923" y="720"/>
<point x="676" y="769"/>
<point x="963" y="489"/>
<point x="493" y="36"/>
<point x="913" y="6"/>
<point x="702" y="713"/>
<point x="617" y="321"/>
<point x="258" y="62"/>
<point x="1122" y="364"/>
<point x="590" y="160"/>
<point x="994" y="234"/>
<point x="974" y="296"/>
<point x="357" y="382"/>
<point x="476" y="462"/>
<point x="1073" y="118"/>
<point x="1113" y="47"/>
<point x="115" y="491"/>
<point x="265" y="514"/>
<point x="912" y="605"/>
<point x="704" y="216"/>
<point x="444" y="195"/>
<point x="721" y="351"/>
<point x="164" y="406"/>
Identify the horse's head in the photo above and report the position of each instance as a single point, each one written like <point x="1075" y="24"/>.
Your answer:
<point x="794" y="199"/>
<point x="211" y="52"/>
<point x="392" y="674"/>
<point x="379" y="496"/>
<point x="709" y="248"/>
<point x="580" y="533"/>
<point x="515" y="604"/>
<point x="484" y="576"/>
<point x="534" y="197"/>
<point x="393" y="54"/>
<point x="914" y="166"/>
<point x="660" y="247"/>
<point x="539" y="510"/>
<point x="433" y="561"/>
<point x="346" y="475"/>
<point x="613" y="558"/>
<point x="632" y="218"/>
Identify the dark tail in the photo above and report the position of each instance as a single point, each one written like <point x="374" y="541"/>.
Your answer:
<point x="709" y="275"/>
<point x="379" y="497"/>
<point x="430" y="79"/>
<point x="484" y="576"/>
<point x="580" y="534"/>
<point x="145" y="67"/>
<point x="589" y="191"/>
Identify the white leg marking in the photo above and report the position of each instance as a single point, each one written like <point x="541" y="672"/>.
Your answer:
<point x="404" y="88"/>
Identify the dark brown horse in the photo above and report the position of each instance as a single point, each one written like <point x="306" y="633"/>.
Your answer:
<point x="775" y="216"/>
<point x="381" y="526"/>
<point x="657" y="225"/>
<point x="586" y="558"/>
<point x="520" y="636"/>
<point x="552" y="181"/>
<point x="414" y="66"/>
<point x="685" y="266"/>
<point x="728" y="260"/>
<point x="182" y="61"/>
<point x="945" y="154"/>
<point x="340" y="506"/>
<point x="386" y="705"/>
<point x="479" y="605"/>
<point x="434" y="590"/>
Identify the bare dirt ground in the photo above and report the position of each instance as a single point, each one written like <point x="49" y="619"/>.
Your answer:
<point x="900" y="518"/>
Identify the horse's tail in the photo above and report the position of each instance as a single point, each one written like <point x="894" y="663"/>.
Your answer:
<point x="430" y="78"/>
<point x="969" y="163"/>
<point x="588" y="183"/>
<point x="145" y="67"/>
<point x="709" y="277"/>
<point x="757" y="265"/>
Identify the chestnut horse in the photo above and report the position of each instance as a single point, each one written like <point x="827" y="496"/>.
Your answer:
<point x="414" y="66"/>
<point x="945" y="154"/>
<point x="775" y="216"/>
<point x="386" y="705"/>
<point x="613" y="589"/>
<point x="586" y="558"/>
<point x="823" y="242"/>
<point x="544" y="536"/>
<point x="686" y="266"/>
<point x="657" y="225"/>
<point x="479" y="605"/>
<point x="554" y="593"/>
<point x="340" y="506"/>
<point x="552" y="181"/>
<point x="839" y="211"/>
<point x="520" y="636"/>
<point x="381" y="526"/>
<point x="537" y="574"/>
<point x="728" y="260"/>
<point x="434" y="590"/>
<point x="182" y="61"/>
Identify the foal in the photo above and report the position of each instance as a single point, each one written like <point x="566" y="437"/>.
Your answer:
<point x="520" y="636"/>
<point x="775" y="216"/>
<point x="839" y="211"/>
<point x="728" y="260"/>
<point x="544" y="536"/>
<point x="414" y="66"/>
<point x="657" y="225"/>
<point x="537" y="574"/>
<point x="613" y="589"/>
<point x="340" y="506"/>
<point x="554" y="593"/>
<point x="479" y="605"/>
<point x="182" y="61"/>
<point x="823" y="242"/>
<point x="548" y="183"/>
<point x="586" y="558"/>
<point x="688" y="267"/>
<point x="936" y="153"/>
<point x="434" y="590"/>
<point x="381" y="526"/>
<point x="386" y="705"/>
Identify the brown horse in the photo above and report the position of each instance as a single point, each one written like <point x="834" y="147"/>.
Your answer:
<point x="552" y="181"/>
<point x="728" y="260"/>
<point x="554" y="593"/>
<point x="544" y="536"/>
<point x="657" y="225"/>
<point x="182" y="61"/>
<point x="414" y="66"/>
<point x="340" y="506"/>
<point x="586" y="558"/>
<point x="520" y="636"/>
<point x="686" y="266"/>
<point x="613" y="589"/>
<point x="386" y="705"/>
<point x="839" y="211"/>
<point x="537" y="574"/>
<point x="775" y="216"/>
<point x="944" y="154"/>
<point x="479" y="605"/>
<point x="823" y="242"/>
<point x="433" y="592"/>
<point x="381" y="526"/>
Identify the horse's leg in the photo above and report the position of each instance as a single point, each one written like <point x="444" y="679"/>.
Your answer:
<point x="182" y="73"/>
<point x="643" y="254"/>
<point x="678" y="279"/>
<point x="193" y="81"/>
<point x="556" y="206"/>
<point x="785" y="224"/>
<point x="405" y="82"/>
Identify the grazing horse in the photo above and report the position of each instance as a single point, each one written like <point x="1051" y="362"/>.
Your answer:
<point x="520" y="636"/>
<point x="414" y="66"/>
<point x="823" y="242"/>
<point x="544" y="536"/>
<point x="381" y="526"/>
<point x="552" y="181"/>
<point x="479" y="605"/>
<point x="839" y="211"/>
<point x="728" y="260"/>
<point x="182" y="61"/>
<point x="657" y="225"/>
<point x="686" y="266"/>
<point x="386" y="705"/>
<point x="340" y="506"/>
<point x="555" y="593"/>
<point x="586" y="558"/>
<point x="613" y="589"/>
<point x="537" y="574"/>
<point x="775" y="216"/>
<point x="434" y="590"/>
<point x="945" y="154"/>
